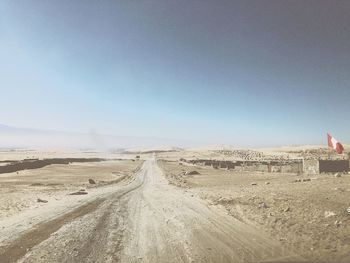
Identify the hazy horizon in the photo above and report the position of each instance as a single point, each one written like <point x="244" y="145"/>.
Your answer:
<point x="36" y="139"/>
<point x="245" y="73"/>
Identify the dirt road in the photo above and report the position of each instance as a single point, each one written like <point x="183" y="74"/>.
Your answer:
<point x="146" y="221"/>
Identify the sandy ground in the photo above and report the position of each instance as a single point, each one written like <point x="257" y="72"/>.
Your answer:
<point x="307" y="214"/>
<point x="20" y="191"/>
<point x="141" y="218"/>
<point x="149" y="211"/>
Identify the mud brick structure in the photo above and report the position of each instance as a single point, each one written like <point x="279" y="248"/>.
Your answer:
<point x="317" y="166"/>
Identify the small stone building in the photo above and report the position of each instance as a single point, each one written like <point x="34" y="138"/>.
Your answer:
<point x="317" y="166"/>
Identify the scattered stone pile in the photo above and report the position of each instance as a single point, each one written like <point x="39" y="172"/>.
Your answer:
<point x="287" y="166"/>
<point x="242" y="154"/>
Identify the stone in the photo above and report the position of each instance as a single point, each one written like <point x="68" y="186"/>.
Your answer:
<point x="92" y="181"/>
<point x="337" y="223"/>
<point x="329" y="214"/>
<point x="192" y="173"/>
<point x="79" y="193"/>
<point x="41" y="200"/>
<point x="263" y="205"/>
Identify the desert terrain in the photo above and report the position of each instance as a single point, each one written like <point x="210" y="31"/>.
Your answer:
<point x="157" y="206"/>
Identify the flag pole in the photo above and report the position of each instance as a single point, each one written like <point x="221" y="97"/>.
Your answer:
<point x="329" y="147"/>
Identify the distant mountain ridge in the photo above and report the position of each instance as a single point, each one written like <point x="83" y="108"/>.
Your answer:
<point x="15" y="137"/>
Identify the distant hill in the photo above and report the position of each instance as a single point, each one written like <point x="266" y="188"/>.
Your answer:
<point x="15" y="137"/>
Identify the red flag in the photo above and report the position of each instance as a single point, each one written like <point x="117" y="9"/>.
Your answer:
<point x="334" y="144"/>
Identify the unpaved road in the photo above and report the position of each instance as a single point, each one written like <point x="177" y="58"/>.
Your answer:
<point x="146" y="221"/>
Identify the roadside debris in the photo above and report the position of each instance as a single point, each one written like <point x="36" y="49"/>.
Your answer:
<point x="39" y="200"/>
<point x="192" y="173"/>
<point x="302" y="180"/>
<point x="80" y="192"/>
<point x="263" y="205"/>
<point x="329" y="214"/>
<point x="337" y="223"/>
<point x="92" y="181"/>
<point x="287" y="209"/>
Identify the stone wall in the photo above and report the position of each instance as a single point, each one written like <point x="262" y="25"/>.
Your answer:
<point x="286" y="166"/>
<point x="311" y="166"/>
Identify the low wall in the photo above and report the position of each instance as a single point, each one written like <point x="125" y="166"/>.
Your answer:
<point x="333" y="166"/>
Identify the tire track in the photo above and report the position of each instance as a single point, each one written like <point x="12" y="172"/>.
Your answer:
<point x="20" y="246"/>
<point x="27" y="241"/>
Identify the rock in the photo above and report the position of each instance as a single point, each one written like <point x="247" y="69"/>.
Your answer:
<point x="267" y="183"/>
<point x="306" y="180"/>
<point x="348" y="210"/>
<point x="92" y="181"/>
<point x="263" y="205"/>
<point x="337" y="175"/>
<point x="192" y="173"/>
<point x="79" y="193"/>
<point x="337" y="223"/>
<point x="41" y="200"/>
<point x="287" y="209"/>
<point x="329" y="214"/>
<point x="297" y="181"/>
<point x="253" y="183"/>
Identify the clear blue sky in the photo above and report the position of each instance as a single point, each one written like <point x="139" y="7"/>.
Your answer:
<point x="248" y="73"/>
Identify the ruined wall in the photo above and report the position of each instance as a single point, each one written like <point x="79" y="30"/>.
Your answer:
<point x="292" y="168"/>
<point x="285" y="166"/>
<point x="262" y="167"/>
<point x="333" y="166"/>
<point x="311" y="166"/>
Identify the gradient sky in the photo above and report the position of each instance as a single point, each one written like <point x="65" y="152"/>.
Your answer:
<point x="247" y="73"/>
